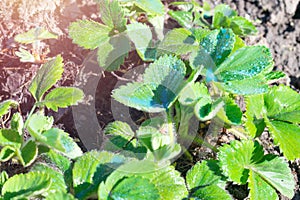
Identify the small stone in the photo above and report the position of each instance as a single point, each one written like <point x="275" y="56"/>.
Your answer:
<point x="291" y="6"/>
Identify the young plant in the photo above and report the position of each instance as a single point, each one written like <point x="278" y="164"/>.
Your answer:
<point x="34" y="37"/>
<point x="112" y="38"/>
<point x="39" y="127"/>
<point x="192" y="15"/>
<point x="110" y="176"/>
<point x="228" y="69"/>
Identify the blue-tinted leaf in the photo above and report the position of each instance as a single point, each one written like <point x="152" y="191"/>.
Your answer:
<point x="214" y="49"/>
<point x="141" y="36"/>
<point x="245" y="63"/>
<point x="163" y="81"/>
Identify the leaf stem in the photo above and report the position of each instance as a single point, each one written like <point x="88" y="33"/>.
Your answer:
<point x="28" y="117"/>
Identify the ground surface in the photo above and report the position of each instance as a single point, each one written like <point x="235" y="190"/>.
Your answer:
<point x="278" y="22"/>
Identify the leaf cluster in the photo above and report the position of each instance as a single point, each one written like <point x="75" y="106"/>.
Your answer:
<point x="43" y="136"/>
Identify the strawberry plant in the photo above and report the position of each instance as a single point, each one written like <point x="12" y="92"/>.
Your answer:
<point x="112" y="37"/>
<point x="198" y="71"/>
<point x="34" y="37"/>
<point x="37" y="125"/>
<point x="192" y="15"/>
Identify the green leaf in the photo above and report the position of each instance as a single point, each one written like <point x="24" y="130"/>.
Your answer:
<point x="244" y="162"/>
<point x="57" y="183"/>
<point x="245" y="63"/>
<point x="162" y="82"/>
<point x="140" y="97"/>
<point x="28" y="185"/>
<point x="167" y="181"/>
<point x="88" y="33"/>
<point x="206" y="110"/>
<point x="214" y="49"/>
<point x="58" y="160"/>
<point x="62" y="97"/>
<point x="232" y="112"/>
<point x="112" y="52"/>
<point x="29" y="153"/>
<point x="119" y="128"/>
<point x="222" y="13"/>
<point x="59" y="196"/>
<point x="33" y="35"/>
<point x="122" y="138"/>
<point x="248" y="86"/>
<point x="154" y="7"/>
<point x="46" y="77"/>
<point x="276" y="172"/>
<point x="7" y="152"/>
<point x="141" y="36"/>
<point x="112" y="15"/>
<point x="99" y="165"/>
<point x="283" y="103"/>
<point x="162" y="69"/>
<point x="192" y="93"/>
<point x="143" y="189"/>
<point x="178" y="41"/>
<point x="17" y="123"/>
<point x="219" y="44"/>
<point x="159" y="141"/>
<point x="61" y="141"/>
<point x="254" y="114"/>
<point x="9" y="137"/>
<point x="37" y="124"/>
<point x="200" y="33"/>
<point x="3" y="178"/>
<point x="275" y="75"/>
<point x="287" y="136"/>
<point x="260" y="189"/>
<point x="211" y="192"/>
<point x="242" y="26"/>
<point x="203" y="174"/>
<point x="236" y="157"/>
<point x="25" y="56"/>
<point x="239" y="43"/>
<point x="184" y="18"/>
<point x="158" y="24"/>
<point x="6" y="105"/>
